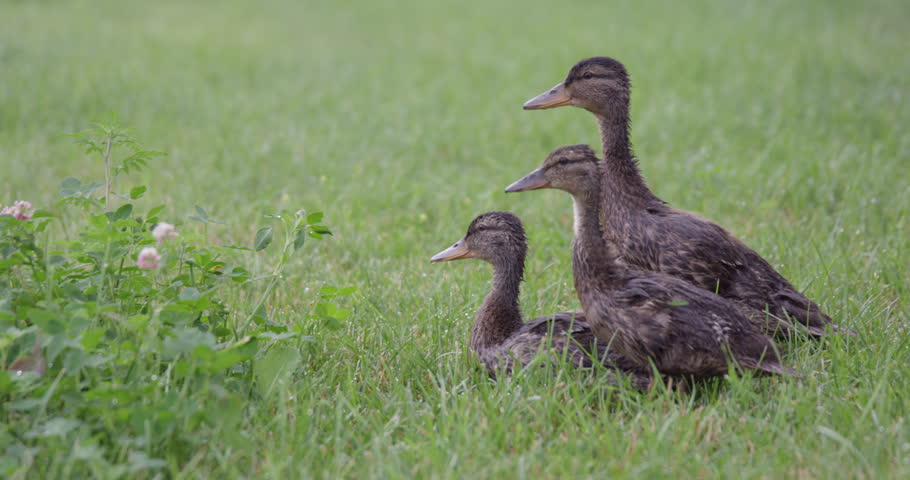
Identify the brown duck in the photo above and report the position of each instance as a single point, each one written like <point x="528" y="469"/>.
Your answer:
<point x="650" y="234"/>
<point x="592" y="168"/>
<point x="499" y="338"/>
<point x="649" y="317"/>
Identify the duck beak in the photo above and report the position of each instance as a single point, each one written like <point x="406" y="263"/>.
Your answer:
<point x="552" y="98"/>
<point x="532" y="181"/>
<point x="455" y="252"/>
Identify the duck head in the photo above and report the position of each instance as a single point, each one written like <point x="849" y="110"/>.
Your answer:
<point x="573" y="169"/>
<point x="597" y="84"/>
<point x="497" y="237"/>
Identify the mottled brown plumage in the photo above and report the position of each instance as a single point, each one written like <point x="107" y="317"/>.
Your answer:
<point x="584" y="163"/>
<point x="650" y="234"/>
<point x="647" y="316"/>
<point x="499" y="337"/>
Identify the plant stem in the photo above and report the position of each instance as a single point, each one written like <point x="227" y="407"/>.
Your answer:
<point x="265" y="295"/>
<point x="107" y="170"/>
<point x="276" y="274"/>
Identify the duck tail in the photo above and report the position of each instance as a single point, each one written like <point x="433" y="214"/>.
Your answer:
<point x="820" y="325"/>
<point x="768" y="362"/>
<point x="817" y="332"/>
<point x="843" y="330"/>
<point x="806" y="312"/>
<point x="777" y="369"/>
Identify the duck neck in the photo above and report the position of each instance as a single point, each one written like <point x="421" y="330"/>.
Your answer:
<point x="614" y="132"/>
<point x="621" y="173"/>
<point x="499" y="316"/>
<point x="593" y="258"/>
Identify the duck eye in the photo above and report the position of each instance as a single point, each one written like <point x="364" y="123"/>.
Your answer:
<point x="562" y="161"/>
<point x="587" y="75"/>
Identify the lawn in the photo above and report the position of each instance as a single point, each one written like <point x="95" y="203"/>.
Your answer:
<point x="786" y="122"/>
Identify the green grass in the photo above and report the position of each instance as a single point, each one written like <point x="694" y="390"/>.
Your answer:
<point x="786" y="122"/>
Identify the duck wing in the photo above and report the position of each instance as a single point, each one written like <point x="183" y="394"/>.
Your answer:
<point x="706" y="255"/>
<point x="688" y="331"/>
<point x="569" y="332"/>
<point x="760" y="286"/>
<point x="696" y="249"/>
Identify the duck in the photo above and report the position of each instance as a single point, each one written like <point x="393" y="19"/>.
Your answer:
<point x="592" y="167"/>
<point x="500" y="338"/>
<point x="649" y="317"/>
<point x="651" y="234"/>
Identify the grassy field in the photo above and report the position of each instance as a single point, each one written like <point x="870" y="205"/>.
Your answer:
<point x="786" y="122"/>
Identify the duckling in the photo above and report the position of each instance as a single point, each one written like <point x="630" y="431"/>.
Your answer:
<point x="500" y="338"/>
<point x="654" y="236"/>
<point x="649" y="317"/>
<point x="592" y="168"/>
